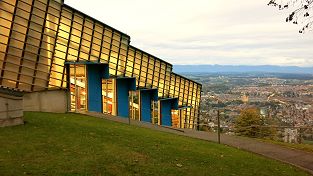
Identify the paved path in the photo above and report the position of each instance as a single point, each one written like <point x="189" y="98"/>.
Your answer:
<point x="294" y="157"/>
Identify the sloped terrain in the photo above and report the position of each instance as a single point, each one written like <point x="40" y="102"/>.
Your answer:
<point x="72" y="144"/>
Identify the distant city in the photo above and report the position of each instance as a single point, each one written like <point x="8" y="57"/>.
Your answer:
<point x="284" y="98"/>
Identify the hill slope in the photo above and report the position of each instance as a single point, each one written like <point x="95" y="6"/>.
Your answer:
<point x="58" y="144"/>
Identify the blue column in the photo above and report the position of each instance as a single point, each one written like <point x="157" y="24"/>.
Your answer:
<point x="166" y="106"/>
<point x="95" y="74"/>
<point x="146" y="98"/>
<point x="123" y="86"/>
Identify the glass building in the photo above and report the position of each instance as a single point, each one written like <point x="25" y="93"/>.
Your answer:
<point x="48" y="45"/>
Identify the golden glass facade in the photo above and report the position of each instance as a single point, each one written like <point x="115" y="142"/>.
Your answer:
<point x="38" y="36"/>
<point x="150" y="71"/>
<point x="188" y="93"/>
<point x="28" y="49"/>
<point x="81" y="38"/>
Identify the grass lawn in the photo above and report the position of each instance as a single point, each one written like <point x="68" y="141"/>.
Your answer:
<point x="306" y="146"/>
<point x="71" y="144"/>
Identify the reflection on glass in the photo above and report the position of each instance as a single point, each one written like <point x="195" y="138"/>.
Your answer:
<point x="108" y="96"/>
<point x="134" y="105"/>
<point x="175" y="119"/>
<point x="78" y="88"/>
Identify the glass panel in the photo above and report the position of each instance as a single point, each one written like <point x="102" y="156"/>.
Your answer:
<point x="78" y="88"/>
<point x="108" y="96"/>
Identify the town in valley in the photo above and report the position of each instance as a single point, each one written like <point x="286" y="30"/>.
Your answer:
<point x="283" y="99"/>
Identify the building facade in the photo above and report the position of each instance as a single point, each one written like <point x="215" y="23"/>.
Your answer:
<point x="48" y="45"/>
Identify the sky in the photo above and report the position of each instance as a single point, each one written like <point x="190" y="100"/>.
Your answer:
<point x="225" y="32"/>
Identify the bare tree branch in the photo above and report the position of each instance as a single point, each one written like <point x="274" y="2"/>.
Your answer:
<point x="301" y="12"/>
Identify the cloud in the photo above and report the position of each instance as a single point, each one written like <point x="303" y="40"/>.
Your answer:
<point x="206" y="32"/>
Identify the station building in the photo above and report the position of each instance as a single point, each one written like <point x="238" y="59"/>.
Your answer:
<point x="63" y="59"/>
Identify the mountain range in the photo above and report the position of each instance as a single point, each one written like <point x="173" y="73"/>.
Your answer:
<point x="241" y="69"/>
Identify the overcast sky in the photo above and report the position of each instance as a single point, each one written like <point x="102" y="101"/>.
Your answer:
<point x="228" y="32"/>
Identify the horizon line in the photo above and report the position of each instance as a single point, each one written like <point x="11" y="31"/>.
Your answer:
<point x="242" y="65"/>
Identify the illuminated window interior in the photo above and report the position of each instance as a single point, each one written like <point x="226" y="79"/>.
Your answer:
<point x="78" y="88"/>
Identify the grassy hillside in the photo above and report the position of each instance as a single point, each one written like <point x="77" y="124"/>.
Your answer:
<point x="70" y="144"/>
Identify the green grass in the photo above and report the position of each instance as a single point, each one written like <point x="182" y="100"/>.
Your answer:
<point x="71" y="144"/>
<point x="306" y="146"/>
<point x="309" y="143"/>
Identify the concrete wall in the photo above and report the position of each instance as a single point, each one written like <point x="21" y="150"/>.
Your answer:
<point x="46" y="101"/>
<point x="11" y="110"/>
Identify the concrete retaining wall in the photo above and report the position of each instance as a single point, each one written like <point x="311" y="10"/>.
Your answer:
<point x="46" y="101"/>
<point x="11" y="110"/>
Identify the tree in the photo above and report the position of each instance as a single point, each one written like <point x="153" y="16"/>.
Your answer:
<point x="301" y="12"/>
<point x="248" y="123"/>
